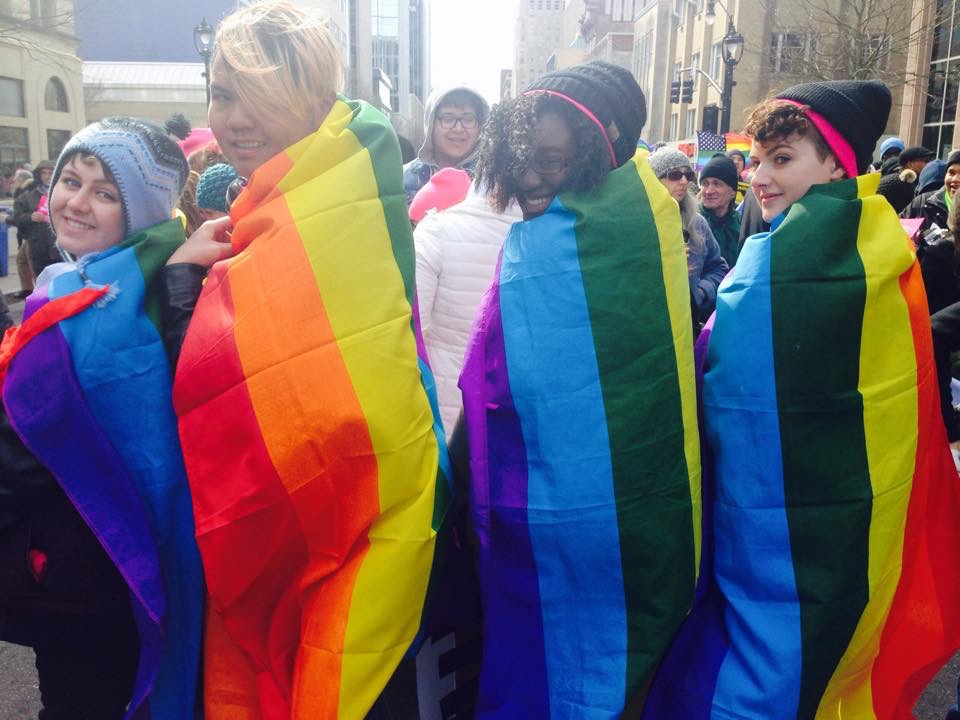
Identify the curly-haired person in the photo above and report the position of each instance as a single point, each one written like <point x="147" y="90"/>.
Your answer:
<point x="579" y="373"/>
<point x="829" y="586"/>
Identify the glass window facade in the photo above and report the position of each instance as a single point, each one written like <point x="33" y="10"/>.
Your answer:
<point x="14" y="148"/>
<point x="56" y="139"/>
<point x="944" y="82"/>
<point x="385" y="21"/>
<point x="55" y="96"/>
<point x="11" y="97"/>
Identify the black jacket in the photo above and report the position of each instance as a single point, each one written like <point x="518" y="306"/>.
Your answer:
<point x="899" y="193"/>
<point x="931" y="206"/>
<point x="752" y="221"/>
<point x="41" y="244"/>
<point x="181" y="283"/>
<point x="938" y="266"/>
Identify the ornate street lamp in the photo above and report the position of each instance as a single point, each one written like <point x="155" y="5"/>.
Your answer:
<point x="731" y="48"/>
<point x="203" y="42"/>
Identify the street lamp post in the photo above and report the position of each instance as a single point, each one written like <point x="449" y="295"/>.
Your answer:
<point x="203" y="42"/>
<point x="732" y="50"/>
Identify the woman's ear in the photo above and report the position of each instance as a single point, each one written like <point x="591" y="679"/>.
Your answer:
<point x="838" y="173"/>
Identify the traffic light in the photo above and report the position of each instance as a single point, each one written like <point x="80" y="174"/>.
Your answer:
<point x="711" y="119"/>
<point x="675" y="91"/>
<point x="687" y="95"/>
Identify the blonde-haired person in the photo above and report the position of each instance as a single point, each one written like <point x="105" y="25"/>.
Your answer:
<point x="307" y="424"/>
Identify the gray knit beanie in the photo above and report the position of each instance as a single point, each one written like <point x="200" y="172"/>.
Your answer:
<point x="147" y="166"/>
<point x="666" y="159"/>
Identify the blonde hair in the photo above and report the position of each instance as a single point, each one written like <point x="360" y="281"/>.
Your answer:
<point x="282" y="60"/>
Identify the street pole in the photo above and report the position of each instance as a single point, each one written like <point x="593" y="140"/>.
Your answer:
<point x="727" y="98"/>
<point x="206" y="75"/>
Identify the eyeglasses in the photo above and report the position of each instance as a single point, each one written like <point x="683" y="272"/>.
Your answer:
<point x="448" y="121"/>
<point x="677" y="175"/>
<point x="547" y="165"/>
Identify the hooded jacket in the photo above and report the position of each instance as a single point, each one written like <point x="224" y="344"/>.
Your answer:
<point x="418" y="171"/>
<point x="457" y="252"/>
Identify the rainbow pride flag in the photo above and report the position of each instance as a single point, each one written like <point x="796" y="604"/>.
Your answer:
<point x="580" y="404"/>
<point x="87" y="389"/>
<point x="736" y="141"/>
<point x="829" y="588"/>
<point x="311" y="433"/>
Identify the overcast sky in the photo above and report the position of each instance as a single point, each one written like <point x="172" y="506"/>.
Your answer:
<point x="471" y="41"/>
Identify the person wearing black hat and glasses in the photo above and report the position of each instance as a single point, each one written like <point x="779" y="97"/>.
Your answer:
<point x="900" y="174"/>
<point x="597" y="263"/>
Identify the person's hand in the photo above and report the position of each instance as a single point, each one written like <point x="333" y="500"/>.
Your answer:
<point x="210" y="243"/>
<point x="955" y="445"/>
<point x="38" y="217"/>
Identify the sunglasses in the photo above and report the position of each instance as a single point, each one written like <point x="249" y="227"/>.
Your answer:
<point x="677" y="175"/>
<point x="234" y="189"/>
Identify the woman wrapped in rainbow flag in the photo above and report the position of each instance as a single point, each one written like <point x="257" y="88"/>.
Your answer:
<point x="829" y="587"/>
<point x="99" y="569"/>
<point x="307" y="415"/>
<point x="580" y="407"/>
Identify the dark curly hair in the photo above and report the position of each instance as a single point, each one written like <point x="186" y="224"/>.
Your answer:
<point x="507" y="144"/>
<point x="775" y="119"/>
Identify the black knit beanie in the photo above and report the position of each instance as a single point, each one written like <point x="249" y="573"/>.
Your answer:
<point x="857" y="109"/>
<point x="611" y="93"/>
<point x="722" y="168"/>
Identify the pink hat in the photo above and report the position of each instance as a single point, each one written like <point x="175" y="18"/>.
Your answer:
<point x="447" y="187"/>
<point x="198" y="139"/>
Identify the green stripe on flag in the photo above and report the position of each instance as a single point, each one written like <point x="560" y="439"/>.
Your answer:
<point x="817" y="295"/>
<point x="622" y="274"/>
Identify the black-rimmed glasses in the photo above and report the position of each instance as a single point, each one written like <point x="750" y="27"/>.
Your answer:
<point x="448" y="121"/>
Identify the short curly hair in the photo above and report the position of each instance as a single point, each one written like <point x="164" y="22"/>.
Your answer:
<point x="507" y="144"/>
<point x="774" y="120"/>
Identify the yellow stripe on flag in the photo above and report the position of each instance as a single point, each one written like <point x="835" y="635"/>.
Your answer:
<point x="670" y="233"/>
<point x="890" y="425"/>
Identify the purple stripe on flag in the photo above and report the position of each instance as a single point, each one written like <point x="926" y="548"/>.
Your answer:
<point x="513" y="676"/>
<point x="47" y="408"/>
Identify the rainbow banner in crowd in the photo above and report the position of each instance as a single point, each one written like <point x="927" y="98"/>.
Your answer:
<point x="831" y="588"/>
<point x="735" y="141"/>
<point x="311" y="434"/>
<point x="88" y="391"/>
<point x="580" y="403"/>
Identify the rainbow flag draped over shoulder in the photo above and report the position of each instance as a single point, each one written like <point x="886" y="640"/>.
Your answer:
<point x="580" y="405"/>
<point x="311" y="434"/>
<point x="88" y="392"/>
<point x="833" y="591"/>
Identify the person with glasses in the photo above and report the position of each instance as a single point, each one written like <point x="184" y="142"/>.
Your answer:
<point x="705" y="266"/>
<point x="453" y="118"/>
<point x="579" y="407"/>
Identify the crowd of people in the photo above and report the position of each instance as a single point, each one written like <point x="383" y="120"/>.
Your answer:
<point x="538" y="424"/>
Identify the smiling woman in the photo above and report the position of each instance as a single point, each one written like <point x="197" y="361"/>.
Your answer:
<point x="581" y="351"/>
<point x="298" y="378"/>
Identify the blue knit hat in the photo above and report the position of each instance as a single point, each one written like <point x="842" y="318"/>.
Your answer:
<point x="147" y="166"/>
<point x="891" y="143"/>
<point x="212" y="187"/>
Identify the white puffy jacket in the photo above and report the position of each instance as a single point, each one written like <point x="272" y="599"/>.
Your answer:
<point x="457" y="252"/>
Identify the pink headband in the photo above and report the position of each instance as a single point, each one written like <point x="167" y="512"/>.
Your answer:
<point x="841" y="148"/>
<point x="585" y="111"/>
